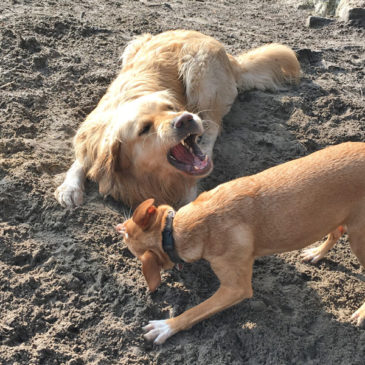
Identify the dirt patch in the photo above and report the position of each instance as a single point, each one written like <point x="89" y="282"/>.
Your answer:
<point x="70" y="292"/>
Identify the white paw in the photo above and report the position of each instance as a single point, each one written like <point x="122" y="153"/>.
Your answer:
<point x="69" y="195"/>
<point x="312" y="254"/>
<point x="158" y="331"/>
<point x="359" y="316"/>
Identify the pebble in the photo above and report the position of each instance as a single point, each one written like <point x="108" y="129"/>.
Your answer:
<point x="355" y="14"/>
<point x="317" y="21"/>
<point x="258" y="306"/>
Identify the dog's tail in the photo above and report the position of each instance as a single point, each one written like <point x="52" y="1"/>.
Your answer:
<point x="267" y="67"/>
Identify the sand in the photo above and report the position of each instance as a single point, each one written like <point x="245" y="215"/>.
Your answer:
<point x="70" y="293"/>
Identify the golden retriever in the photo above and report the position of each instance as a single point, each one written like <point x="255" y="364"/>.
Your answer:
<point x="153" y="132"/>
<point x="284" y="208"/>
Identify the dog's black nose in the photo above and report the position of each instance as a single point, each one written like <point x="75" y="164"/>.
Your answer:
<point x="183" y="120"/>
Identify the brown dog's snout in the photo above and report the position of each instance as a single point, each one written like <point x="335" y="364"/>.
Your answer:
<point x="183" y="120"/>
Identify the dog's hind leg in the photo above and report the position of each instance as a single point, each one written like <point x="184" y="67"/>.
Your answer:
<point x="356" y="229"/>
<point x="314" y="254"/>
<point x="70" y="192"/>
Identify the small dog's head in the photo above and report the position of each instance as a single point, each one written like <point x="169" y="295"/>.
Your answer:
<point x="143" y="236"/>
<point x="151" y="147"/>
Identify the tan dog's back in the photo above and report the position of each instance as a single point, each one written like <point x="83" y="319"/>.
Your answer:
<point x="288" y="206"/>
<point x="310" y="197"/>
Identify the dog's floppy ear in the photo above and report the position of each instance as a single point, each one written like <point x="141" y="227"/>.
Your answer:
<point x="115" y="160"/>
<point x="151" y="270"/>
<point x="109" y="161"/>
<point x="144" y="215"/>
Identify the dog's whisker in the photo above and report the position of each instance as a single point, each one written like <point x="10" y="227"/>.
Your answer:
<point x="204" y="111"/>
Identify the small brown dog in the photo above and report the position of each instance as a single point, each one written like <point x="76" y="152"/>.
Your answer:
<point x="284" y="208"/>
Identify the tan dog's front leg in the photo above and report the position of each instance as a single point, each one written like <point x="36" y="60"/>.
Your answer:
<point x="235" y="286"/>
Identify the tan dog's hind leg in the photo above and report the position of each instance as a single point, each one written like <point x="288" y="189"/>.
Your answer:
<point x="235" y="277"/>
<point x="359" y="316"/>
<point x="314" y="254"/>
<point x="357" y="242"/>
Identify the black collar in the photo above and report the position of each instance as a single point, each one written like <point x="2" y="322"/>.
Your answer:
<point x="168" y="243"/>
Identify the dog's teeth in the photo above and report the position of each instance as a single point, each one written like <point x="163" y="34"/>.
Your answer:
<point x="173" y="157"/>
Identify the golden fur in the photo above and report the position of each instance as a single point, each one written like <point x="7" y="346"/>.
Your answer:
<point x="284" y="208"/>
<point x="162" y="77"/>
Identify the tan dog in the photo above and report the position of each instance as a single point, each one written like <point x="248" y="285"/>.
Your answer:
<point x="284" y="208"/>
<point x="141" y="139"/>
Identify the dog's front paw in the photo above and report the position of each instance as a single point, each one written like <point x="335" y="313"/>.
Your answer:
<point x="313" y="254"/>
<point x="158" y="331"/>
<point x="359" y="316"/>
<point x="69" y="195"/>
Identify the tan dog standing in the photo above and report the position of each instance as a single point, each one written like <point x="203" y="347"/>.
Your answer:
<point x="284" y="208"/>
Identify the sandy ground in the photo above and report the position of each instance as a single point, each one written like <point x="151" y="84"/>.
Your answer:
<point x="70" y="292"/>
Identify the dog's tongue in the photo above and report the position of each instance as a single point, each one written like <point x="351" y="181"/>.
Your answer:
<point x="182" y="154"/>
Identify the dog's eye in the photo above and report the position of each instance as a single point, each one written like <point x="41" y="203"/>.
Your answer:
<point x="145" y="129"/>
<point x="170" y="107"/>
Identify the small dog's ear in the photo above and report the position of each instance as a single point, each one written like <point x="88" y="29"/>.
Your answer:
<point x="151" y="270"/>
<point x="144" y="214"/>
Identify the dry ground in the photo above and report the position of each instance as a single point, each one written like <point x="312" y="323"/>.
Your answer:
<point x="70" y="292"/>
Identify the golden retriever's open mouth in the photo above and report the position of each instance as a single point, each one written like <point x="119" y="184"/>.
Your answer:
<point x="188" y="157"/>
